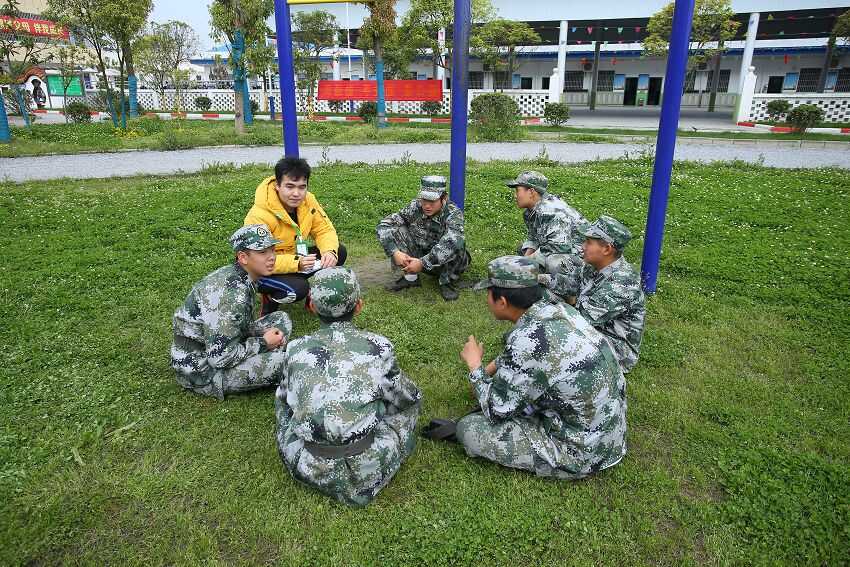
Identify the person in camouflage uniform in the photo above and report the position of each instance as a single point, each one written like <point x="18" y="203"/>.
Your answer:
<point x="345" y="411"/>
<point x="606" y="288"/>
<point x="553" y="226"/>
<point x="426" y="235"/>
<point x="218" y="347"/>
<point x="554" y="401"/>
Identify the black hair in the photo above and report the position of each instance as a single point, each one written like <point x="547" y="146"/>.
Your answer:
<point x="522" y="298"/>
<point x="295" y="168"/>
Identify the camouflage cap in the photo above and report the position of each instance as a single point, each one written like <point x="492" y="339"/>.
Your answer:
<point x="432" y="187"/>
<point x="334" y="291"/>
<point x="512" y="272"/>
<point x="610" y="230"/>
<point x="253" y="237"/>
<point x="533" y="179"/>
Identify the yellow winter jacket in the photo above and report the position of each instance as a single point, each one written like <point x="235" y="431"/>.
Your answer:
<point x="313" y="224"/>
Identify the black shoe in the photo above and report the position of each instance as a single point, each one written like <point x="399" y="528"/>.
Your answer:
<point x="402" y="283"/>
<point x="268" y="305"/>
<point x="449" y="292"/>
<point x="466" y="284"/>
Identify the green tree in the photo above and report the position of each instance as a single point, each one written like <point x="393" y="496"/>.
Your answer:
<point x="712" y="26"/>
<point x="377" y="29"/>
<point x="839" y="37"/>
<point x="161" y="51"/>
<point x="70" y="61"/>
<point x="313" y="33"/>
<point x="498" y="42"/>
<point x="19" y="52"/>
<point x="242" y="23"/>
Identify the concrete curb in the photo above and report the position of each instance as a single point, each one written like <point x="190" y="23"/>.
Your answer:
<point x="787" y="130"/>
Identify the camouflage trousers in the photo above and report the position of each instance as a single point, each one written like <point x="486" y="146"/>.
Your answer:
<point x="351" y="480"/>
<point x="449" y="272"/>
<point x="258" y="371"/>
<point x="518" y="443"/>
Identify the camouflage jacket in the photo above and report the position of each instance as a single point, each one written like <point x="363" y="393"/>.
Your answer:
<point x="213" y="327"/>
<point x="340" y="382"/>
<point x="441" y="235"/>
<point x="554" y="227"/>
<point x="612" y="301"/>
<point x="560" y="372"/>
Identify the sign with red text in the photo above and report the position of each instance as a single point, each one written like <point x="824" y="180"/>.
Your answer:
<point x="393" y="90"/>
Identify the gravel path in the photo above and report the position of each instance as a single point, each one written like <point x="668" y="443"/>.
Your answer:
<point x="124" y="164"/>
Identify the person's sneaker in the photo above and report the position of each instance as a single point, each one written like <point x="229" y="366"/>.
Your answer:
<point x="449" y="292"/>
<point x="402" y="283"/>
<point x="466" y="284"/>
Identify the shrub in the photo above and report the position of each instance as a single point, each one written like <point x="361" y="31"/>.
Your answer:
<point x="495" y="117"/>
<point x="336" y="105"/>
<point x="556" y="113"/>
<point x="432" y="107"/>
<point x="78" y="112"/>
<point x="776" y="109"/>
<point x="804" y="117"/>
<point x="255" y="106"/>
<point x="203" y="102"/>
<point x="368" y="111"/>
<point x="173" y="139"/>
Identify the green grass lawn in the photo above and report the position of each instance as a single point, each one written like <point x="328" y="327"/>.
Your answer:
<point x="738" y="410"/>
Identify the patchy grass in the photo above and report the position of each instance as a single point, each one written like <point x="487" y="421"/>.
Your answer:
<point x="573" y="133"/>
<point x="738" y="410"/>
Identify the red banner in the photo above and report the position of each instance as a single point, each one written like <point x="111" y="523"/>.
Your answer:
<point x="393" y="90"/>
<point x="29" y="26"/>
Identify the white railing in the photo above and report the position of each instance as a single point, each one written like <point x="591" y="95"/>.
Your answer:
<point x="835" y="106"/>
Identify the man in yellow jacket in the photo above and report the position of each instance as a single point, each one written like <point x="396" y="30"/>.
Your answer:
<point x="308" y="239"/>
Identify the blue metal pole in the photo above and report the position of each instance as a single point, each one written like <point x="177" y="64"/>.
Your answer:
<point x="246" y="102"/>
<point x="382" y="103"/>
<point x="133" y="85"/>
<point x="283" y="27"/>
<point x="674" y="82"/>
<point x="271" y="107"/>
<point x="25" y="111"/>
<point x="5" y="132"/>
<point x="460" y="100"/>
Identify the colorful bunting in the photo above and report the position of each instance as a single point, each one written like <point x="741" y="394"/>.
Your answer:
<point x="589" y="30"/>
<point x="619" y="30"/>
<point x="573" y="30"/>
<point x="637" y="29"/>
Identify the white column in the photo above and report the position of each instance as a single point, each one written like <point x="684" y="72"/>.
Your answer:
<point x="335" y="63"/>
<point x="554" y="91"/>
<point x="747" y="59"/>
<point x="745" y="99"/>
<point x="441" y="40"/>
<point x="562" y="55"/>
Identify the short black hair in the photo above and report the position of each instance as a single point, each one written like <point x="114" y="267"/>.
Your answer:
<point x="523" y="297"/>
<point x="296" y="168"/>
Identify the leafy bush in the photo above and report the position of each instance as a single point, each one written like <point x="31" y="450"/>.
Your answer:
<point x="203" y="102"/>
<point x="336" y="105"/>
<point x="432" y="107"/>
<point x="78" y="112"/>
<point x="173" y="139"/>
<point x="495" y="117"/>
<point x="776" y="109"/>
<point x="804" y="117"/>
<point x="368" y="111"/>
<point x="317" y="130"/>
<point x="255" y="106"/>
<point x="556" y="113"/>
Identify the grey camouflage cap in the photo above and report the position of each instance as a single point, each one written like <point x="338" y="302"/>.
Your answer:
<point x="432" y="187"/>
<point x="253" y="237"/>
<point x="533" y="179"/>
<point x="511" y="272"/>
<point x="610" y="230"/>
<point x="334" y="291"/>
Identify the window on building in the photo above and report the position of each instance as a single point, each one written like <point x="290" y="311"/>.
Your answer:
<point x="723" y="85"/>
<point x="476" y="79"/>
<point x="605" y="81"/>
<point x="809" y="79"/>
<point x="326" y="76"/>
<point x="525" y="83"/>
<point x="574" y="81"/>
<point x="545" y="85"/>
<point x="842" y="85"/>
<point x="502" y="80"/>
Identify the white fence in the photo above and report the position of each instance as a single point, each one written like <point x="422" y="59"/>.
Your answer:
<point x="835" y="106"/>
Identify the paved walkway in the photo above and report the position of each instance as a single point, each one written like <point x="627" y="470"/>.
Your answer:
<point x="124" y="164"/>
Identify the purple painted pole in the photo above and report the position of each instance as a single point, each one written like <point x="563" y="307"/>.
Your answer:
<point x="283" y="29"/>
<point x="674" y="82"/>
<point x="460" y="100"/>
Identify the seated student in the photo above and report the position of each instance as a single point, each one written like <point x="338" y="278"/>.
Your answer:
<point x="218" y="347"/>
<point x="553" y="227"/>
<point x="426" y="235"/>
<point x="308" y="239"/>
<point x="606" y="289"/>
<point x="345" y="411"/>
<point x="554" y="401"/>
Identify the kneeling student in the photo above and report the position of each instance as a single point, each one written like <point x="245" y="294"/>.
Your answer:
<point x="345" y="411"/>
<point x="554" y="401"/>
<point x="218" y="347"/>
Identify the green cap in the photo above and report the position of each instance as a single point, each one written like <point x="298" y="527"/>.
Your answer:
<point x="610" y="230"/>
<point x="533" y="179"/>
<point x="253" y="237"/>
<point x="334" y="291"/>
<point x="432" y="187"/>
<point x="511" y="272"/>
